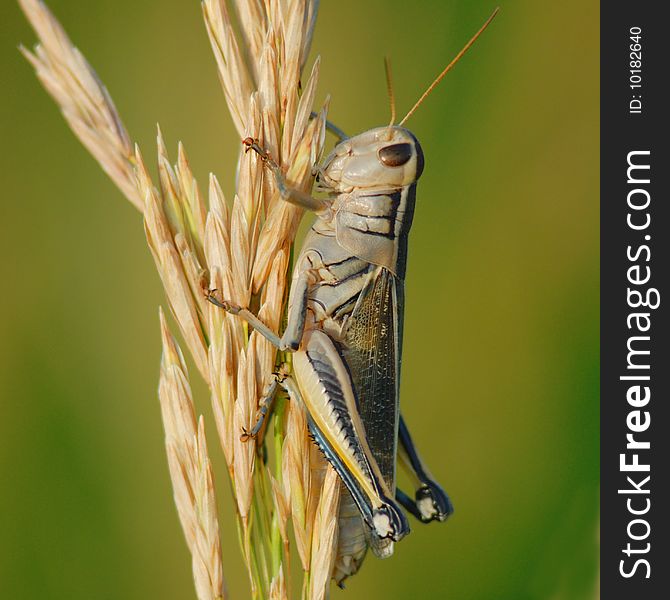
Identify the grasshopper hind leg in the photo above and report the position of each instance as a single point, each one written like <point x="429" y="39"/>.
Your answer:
<point x="431" y="502"/>
<point x="335" y="423"/>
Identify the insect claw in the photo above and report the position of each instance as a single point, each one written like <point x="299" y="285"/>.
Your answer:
<point x="252" y="144"/>
<point x="224" y="304"/>
<point x="246" y="435"/>
<point x="211" y="297"/>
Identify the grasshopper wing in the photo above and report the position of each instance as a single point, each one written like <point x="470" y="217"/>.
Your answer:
<point x="372" y="351"/>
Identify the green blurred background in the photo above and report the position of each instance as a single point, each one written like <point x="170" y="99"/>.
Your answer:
<point x="500" y="380"/>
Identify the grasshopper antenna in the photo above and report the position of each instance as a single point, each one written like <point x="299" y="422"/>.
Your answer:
<point x="389" y="88"/>
<point x="450" y="66"/>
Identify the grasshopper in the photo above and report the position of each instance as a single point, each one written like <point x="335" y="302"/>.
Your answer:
<point x="345" y="327"/>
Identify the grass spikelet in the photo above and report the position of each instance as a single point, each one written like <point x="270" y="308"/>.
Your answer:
<point x="190" y="470"/>
<point x="83" y="99"/>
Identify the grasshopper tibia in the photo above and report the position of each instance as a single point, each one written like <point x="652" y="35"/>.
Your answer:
<point x="430" y="502"/>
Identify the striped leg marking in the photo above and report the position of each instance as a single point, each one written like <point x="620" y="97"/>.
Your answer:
<point x="335" y="423"/>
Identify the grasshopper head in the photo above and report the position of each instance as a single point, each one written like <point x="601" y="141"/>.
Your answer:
<point x="384" y="157"/>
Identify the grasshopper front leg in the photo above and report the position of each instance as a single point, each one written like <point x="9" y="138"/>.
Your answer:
<point x="431" y="503"/>
<point x="297" y="308"/>
<point x="287" y="193"/>
<point x="330" y="126"/>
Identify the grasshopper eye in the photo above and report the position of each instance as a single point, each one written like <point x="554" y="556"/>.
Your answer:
<point x="395" y="155"/>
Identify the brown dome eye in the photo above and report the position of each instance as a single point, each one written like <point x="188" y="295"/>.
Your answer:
<point x="395" y="155"/>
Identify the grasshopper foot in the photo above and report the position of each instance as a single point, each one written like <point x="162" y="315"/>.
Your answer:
<point x="212" y="297"/>
<point x="246" y="435"/>
<point x="252" y="144"/>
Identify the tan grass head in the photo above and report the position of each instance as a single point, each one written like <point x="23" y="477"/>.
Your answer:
<point x="200" y="240"/>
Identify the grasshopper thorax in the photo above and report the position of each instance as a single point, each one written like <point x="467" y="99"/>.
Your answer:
<point x="381" y="158"/>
